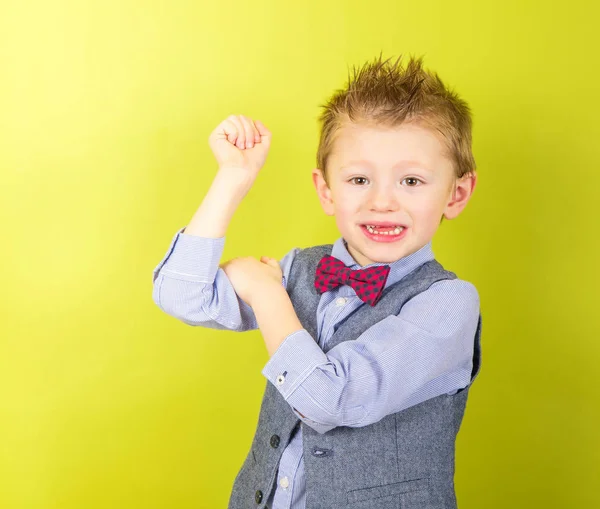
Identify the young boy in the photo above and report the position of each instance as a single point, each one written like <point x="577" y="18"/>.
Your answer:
<point x="373" y="345"/>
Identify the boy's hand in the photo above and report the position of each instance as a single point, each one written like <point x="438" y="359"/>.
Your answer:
<point x="241" y="143"/>
<point x="251" y="277"/>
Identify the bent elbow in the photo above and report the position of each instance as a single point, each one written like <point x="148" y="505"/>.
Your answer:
<point x="181" y="303"/>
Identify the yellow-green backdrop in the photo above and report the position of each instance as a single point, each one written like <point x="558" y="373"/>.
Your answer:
<point x="105" y="109"/>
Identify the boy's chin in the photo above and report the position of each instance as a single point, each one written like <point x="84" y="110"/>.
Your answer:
<point x="384" y="253"/>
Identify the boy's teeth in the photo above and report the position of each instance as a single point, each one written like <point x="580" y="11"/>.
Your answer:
<point x="395" y="231"/>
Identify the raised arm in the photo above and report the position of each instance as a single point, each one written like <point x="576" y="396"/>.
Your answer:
<point x="188" y="283"/>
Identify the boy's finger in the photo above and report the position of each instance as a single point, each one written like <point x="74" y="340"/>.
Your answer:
<point x="241" y="138"/>
<point x="256" y="133"/>
<point x="230" y="131"/>
<point x="269" y="260"/>
<point x="248" y="131"/>
<point x="262" y="130"/>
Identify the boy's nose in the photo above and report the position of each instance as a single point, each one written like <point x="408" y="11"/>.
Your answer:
<point x="383" y="199"/>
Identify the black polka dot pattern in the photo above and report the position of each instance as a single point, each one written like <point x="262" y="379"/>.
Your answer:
<point x="367" y="283"/>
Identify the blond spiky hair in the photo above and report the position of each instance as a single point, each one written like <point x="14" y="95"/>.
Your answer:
<point x="387" y="94"/>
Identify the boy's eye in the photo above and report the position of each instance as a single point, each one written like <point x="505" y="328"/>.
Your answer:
<point x="410" y="181"/>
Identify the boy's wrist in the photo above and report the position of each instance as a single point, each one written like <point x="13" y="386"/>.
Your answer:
<point x="212" y="218"/>
<point x="235" y="177"/>
<point x="275" y="316"/>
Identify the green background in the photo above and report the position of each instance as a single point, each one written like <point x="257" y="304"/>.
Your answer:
<point x="105" y="110"/>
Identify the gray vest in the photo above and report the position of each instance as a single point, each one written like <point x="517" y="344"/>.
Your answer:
<point x="405" y="460"/>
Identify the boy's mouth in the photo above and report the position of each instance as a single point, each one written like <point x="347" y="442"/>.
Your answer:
<point x="384" y="232"/>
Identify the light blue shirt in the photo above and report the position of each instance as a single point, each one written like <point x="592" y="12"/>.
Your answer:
<point x="424" y="351"/>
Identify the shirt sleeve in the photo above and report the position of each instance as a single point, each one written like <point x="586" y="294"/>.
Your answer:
<point x="424" y="351"/>
<point x="189" y="285"/>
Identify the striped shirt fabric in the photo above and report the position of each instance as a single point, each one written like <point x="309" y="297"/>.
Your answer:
<point x="424" y="351"/>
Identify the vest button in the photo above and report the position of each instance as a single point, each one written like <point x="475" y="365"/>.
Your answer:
<point x="258" y="497"/>
<point x="275" y="441"/>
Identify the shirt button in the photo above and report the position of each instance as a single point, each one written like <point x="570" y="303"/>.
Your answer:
<point x="280" y="379"/>
<point x="340" y="301"/>
<point x="274" y="441"/>
<point x="258" y="497"/>
<point x="284" y="483"/>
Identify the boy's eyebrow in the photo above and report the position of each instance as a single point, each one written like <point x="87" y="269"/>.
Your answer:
<point x="398" y="165"/>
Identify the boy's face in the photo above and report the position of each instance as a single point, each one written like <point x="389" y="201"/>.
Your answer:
<point x="395" y="179"/>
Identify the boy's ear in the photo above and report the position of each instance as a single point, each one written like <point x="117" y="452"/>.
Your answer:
<point x="462" y="191"/>
<point x="323" y="192"/>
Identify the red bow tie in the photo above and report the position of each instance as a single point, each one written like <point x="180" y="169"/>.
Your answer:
<point x="367" y="283"/>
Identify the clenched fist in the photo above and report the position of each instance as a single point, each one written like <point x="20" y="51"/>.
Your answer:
<point x="241" y="143"/>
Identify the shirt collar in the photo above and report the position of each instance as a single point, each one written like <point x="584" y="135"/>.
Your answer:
<point x="398" y="269"/>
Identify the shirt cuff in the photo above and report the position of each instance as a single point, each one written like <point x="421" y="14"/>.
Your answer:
<point x="317" y="426"/>
<point x="194" y="258"/>
<point x="297" y="356"/>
